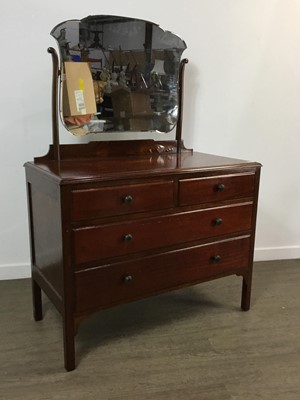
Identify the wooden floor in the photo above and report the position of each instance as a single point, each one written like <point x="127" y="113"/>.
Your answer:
<point x="192" y="344"/>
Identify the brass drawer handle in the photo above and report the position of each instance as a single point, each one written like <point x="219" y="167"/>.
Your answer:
<point x="218" y="221"/>
<point x="128" y="199"/>
<point x="128" y="279"/>
<point x="216" y="258"/>
<point x="220" y="187"/>
<point x="128" y="237"/>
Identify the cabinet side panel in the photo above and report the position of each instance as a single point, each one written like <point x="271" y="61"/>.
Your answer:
<point x="46" y="234"/>
<point x="247" y="277"/>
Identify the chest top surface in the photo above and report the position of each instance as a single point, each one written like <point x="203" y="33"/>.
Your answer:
<point x="97" y="169"/>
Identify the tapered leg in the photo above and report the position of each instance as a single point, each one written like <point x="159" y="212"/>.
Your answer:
<point x="37" y="301"/>
<point x="69" y="344"/>
<point x="246" y="292"/>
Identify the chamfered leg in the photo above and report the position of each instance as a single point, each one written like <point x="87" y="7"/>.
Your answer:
<point x="37" y="301"/>
<point x="69" y="343"/>
<point x="246" y="292"/>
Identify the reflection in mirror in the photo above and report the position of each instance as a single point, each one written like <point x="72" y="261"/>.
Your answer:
<point x="118" y="74"/>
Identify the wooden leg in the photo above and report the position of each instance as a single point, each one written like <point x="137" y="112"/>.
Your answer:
<point x="246" y="292"/>
<point x="69" y="344"/>
<point x="37" y="301"/>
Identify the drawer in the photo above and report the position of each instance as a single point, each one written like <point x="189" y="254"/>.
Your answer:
<point x="111" y="240"/>
<point x="117" y="200"/>
<point x="112" y="284"/>
<point x="217" y="188"/>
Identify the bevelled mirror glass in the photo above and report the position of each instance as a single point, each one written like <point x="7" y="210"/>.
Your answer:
<point x="118" y="74"/>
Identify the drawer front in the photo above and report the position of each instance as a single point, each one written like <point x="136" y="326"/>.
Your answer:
<point x="217" y="188"/>
<point x="109" y="285"/>
<point x="95" y="243"/>
<point x="118" y="200"/>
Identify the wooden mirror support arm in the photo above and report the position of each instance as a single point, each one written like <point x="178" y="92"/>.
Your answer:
<point x="55" y="129"/>
<point x="180" y="103"/>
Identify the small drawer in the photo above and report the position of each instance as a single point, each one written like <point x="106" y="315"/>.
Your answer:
<point x="109" y="285"/>
<point x="118" y="200"/>
<point x="118" y="239"/>
<point x="217" y="188"/>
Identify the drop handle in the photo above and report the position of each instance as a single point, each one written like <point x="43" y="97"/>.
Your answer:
<point x="128" y="199"/>
<point x="216" y="258"/>
<point x="218" y="221"/>
<point x="220" y="187"/>
<point x="128" y="279"/>
<point x="128" y="237"/>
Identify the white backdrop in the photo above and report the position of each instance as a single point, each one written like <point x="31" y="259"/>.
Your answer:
<point x="242" y="99"/>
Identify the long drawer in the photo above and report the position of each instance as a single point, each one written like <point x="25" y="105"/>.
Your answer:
<point x="98" y="242"/>
<point x="122" y="199"/>
<point x="217" y="188"/>
<point x="116" y="283"/>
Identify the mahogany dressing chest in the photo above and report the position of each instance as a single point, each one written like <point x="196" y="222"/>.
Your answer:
<point x="116" y="221"/>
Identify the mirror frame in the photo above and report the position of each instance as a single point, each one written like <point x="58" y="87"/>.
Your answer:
<point x="57" y="83"/>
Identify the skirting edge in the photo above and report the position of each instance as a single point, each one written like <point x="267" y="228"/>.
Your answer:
<point x="277" y="253"/>
<point x="15" y="271"/>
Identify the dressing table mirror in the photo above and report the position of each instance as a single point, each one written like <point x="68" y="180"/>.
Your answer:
<point x="118" y="74"/>
<point x="116" y="221"/>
